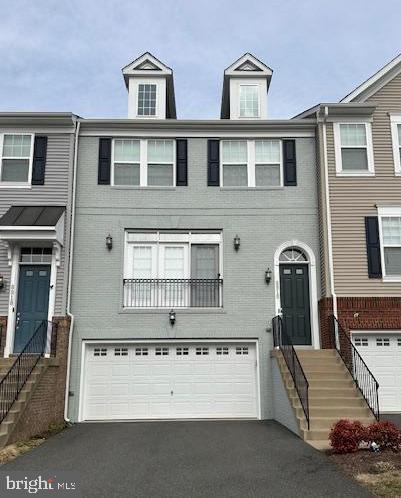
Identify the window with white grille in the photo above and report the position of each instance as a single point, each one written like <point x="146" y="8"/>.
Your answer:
<point x="100" y="352"/>
<point x="222" y="350"/>
<point x="141" y="352"/>
<point x="161" y="352"/>
<point x="382" y="341"/>
<point x="120" y="351"/>
<point x="361" y="341"/>
<point x="182" y="351"/>
<point x="202" y="350"/>
<point x="241" y="350"/>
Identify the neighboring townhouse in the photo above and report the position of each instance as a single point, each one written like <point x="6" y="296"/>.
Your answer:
<point x="190" y="236"/>
<point x="360" y="192"/>
<point x="36" y="157"/>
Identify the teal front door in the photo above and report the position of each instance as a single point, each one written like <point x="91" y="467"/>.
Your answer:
<point x="32" y="304"/>
<point x="295" y="302"/>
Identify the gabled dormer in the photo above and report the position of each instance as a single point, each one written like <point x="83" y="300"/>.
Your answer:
<point x="245" y="87"/>
<point x="150" y="88"/>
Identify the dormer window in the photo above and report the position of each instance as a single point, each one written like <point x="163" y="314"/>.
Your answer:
<point x="147" y="99"/>
<point x="249" y="101"/>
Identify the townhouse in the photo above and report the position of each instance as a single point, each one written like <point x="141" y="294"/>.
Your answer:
<point x="360" y="194"/>
<point x="190" y="236"/>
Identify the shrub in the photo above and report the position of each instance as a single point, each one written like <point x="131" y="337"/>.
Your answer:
<point x="346" y="436"/>
<point x="385" y="434"/>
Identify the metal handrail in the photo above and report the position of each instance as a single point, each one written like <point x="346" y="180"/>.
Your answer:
<point x="364" y="379"/>
<point x="284" y="343"/>
<point x="19" y="372"/>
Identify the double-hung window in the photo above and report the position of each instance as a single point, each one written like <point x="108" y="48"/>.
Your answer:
<point x="168" y="270"/>
<point x="396" y="136"/>
<point x="16" y="159"/>
<point x="251" y="163"/>
<point x="147" y="99"/>
<point x="143" y="162"/>
<point x="249" y="101"/>
<point x="390" y="237"/>
<point x="353" y="149"/>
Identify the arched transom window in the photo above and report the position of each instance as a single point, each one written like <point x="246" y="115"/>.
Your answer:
<point x="293" y="255"/>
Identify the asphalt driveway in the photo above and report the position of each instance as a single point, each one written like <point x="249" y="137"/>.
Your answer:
<point x="226" y="459"/>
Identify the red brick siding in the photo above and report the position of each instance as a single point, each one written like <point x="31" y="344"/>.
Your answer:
<point x="360" y="313"/>
<point x="46" y="405"/>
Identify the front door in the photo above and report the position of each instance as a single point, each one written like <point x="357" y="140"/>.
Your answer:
<point x="33" y="302"/>
<point x="295" y="302"/>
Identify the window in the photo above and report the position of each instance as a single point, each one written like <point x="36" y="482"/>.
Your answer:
<point x="164" y="269"/>
<point x="241" y="350"/>
<point x="396" y="137"/>
<point x="16" y="159"/>
<point x="161" y="351"/>
<point x="120" y="351"/>
<point x="391" y="245"/>
<point x="202" y="351"/>
<point x="147" y="99"/>
<point x="100" y="352"/>
<point x="251" y="163"/>
<point x="36" y="255"/>
<point x="353" y="146"/>
<point x="249" y="101"/>
<point x="361" y="341"/>
<point x="143" y="163"/>
<point x="382" y="341"/>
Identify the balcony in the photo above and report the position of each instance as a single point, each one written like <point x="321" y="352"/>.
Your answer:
<point x="173" y="293"/>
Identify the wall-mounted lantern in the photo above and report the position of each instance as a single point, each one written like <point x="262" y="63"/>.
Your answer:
<point x="268" y="275"/>
<point x="1" y="281"/>
<point x="237" y="242"/>
<point x="109" y="242"/>
<point x="171" y="317"/>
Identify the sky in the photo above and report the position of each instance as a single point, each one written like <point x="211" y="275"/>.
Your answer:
<point x="67" y="55"/>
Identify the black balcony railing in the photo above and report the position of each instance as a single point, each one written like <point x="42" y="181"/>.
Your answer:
<point x="283" y="342"/>
<point x="363" y="377"/>
<point x="173" y="292"/>
<point x="21" y="369"/>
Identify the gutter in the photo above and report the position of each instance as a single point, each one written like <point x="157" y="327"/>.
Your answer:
<point x="328" y="212"/>
<point x="70" y="264"/>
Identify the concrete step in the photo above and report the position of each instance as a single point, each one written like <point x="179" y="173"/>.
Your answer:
<point x="323" y="445"/>
<point x="327" y="383"/>
<point x="344" y="391"/>
<point x="324" y="376"/>
<point x="316" y="353"/>
<point x="326" y="423"/>
<point x="337" y="412"/>
<point x="349" y="402"/>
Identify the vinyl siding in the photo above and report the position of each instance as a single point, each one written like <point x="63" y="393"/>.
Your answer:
<point x="351" y="199"/>
<point x="55" y="191"/>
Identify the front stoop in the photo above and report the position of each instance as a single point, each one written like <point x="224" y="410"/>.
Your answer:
<point x="18" y="408"/>
<point x="332" y="395"/>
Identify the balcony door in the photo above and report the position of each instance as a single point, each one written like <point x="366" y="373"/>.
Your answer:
<point x="174" y="270"/>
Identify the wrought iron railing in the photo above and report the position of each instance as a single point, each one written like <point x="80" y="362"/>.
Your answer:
<point x="363" y="377"/>
<point x="284" y="343"/>
<point x="19" y="372"/>
<point x="173" y="293"/>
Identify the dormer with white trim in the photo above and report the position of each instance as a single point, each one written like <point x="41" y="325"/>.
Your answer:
<point x="150" y="88"/>
<point x="245" y="87"/>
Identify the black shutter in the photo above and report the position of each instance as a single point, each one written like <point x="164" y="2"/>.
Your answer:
<point x="290" y="163"/>
<point x="373" y="246"/>
<point x="103" y="177"/>
<point x="182" y="162"/>
<point x="39" y="160"/>
<point x="213" y="163"/>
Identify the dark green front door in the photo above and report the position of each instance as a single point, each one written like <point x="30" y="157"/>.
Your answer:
<point x="33" y="302"/>
<point x="295" y="302"/>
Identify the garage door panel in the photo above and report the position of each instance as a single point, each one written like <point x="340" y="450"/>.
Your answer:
<point x="170" y="381"/>
<point x="382" y="355"/>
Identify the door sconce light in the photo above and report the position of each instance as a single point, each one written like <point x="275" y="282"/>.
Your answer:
<point x="171" y="316"/>
<point x="1" y="281"/>
<point x="109" y="242"/>
<point x="237" y="242"/>
<point x="268" y="275"/>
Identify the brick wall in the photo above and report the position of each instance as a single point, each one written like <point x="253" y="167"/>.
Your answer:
<point x="360" y="313"/>
<point x="46" y="405"/>
<point x="3" y="334"/>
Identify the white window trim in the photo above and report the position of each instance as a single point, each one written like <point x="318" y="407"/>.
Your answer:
<point x="151" y="116"/>
<point x="143" y="163"/>
<point x="26" y="184"/>
<point x="387" y="212"/>
<point x="395" y="120"/>
<point x="338" y="147"/>
<point x="138" y="238"/>
<point x="239" y="101"/>
<point x="251" y="164"/>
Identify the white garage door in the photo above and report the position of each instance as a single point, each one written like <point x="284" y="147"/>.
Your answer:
<point x="382" y="354"/>
<point x="156" y="381"/>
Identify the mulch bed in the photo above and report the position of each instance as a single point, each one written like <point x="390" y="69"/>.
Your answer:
<point x="365" y="462"/>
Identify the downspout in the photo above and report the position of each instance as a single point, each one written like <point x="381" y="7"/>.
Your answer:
<point x="70" y="264"/>
<point x="328" y="215"/>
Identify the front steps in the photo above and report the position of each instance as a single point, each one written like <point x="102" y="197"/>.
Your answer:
<point x="18" y="407"/>
<point x="332" y="395"/>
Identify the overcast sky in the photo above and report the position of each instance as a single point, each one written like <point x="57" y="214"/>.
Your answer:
<point x="67" y="55"/>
